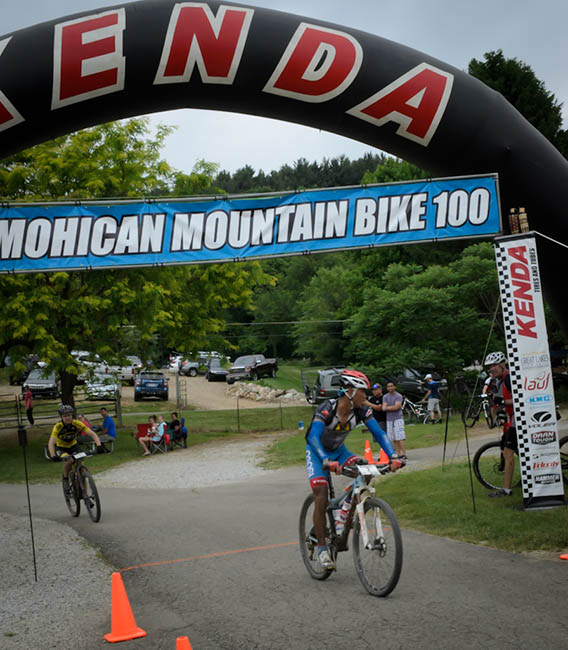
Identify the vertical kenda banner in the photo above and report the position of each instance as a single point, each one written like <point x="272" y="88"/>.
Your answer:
<point x="531" y="376"/>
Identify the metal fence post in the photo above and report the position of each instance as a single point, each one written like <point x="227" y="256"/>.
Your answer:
<point x="238" y="417"/>
<point x="118" y="408"/>
<point x="281" y="423"/>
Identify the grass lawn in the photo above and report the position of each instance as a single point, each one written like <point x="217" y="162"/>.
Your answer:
<point x="292" y="451"/>
<point x="439" y="502"/>
<point x="203" y="426"/>
<point x="287" y="376"/>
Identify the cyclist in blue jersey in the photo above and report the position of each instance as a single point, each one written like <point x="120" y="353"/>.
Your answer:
<point x="326" y="451"/>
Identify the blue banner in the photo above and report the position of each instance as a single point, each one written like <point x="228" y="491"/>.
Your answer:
<point x="68" y="237"/>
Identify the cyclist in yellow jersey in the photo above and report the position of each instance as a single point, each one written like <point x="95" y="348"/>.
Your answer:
<point x="63" y="440"/>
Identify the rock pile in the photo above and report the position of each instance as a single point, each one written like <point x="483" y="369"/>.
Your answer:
<point x="246" y="390"/>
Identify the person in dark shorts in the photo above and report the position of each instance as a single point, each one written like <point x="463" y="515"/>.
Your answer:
<point x="497" y="365"/>
<point x="63" y="441"/>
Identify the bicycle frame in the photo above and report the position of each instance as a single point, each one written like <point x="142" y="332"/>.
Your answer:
<point x="359" y="490"/>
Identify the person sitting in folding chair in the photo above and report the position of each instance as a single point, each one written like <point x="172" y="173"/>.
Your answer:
<point x="178" y="433"/>
<point x="154" y="437"/>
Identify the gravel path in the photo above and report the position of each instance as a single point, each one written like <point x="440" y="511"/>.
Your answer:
<point x="45" y="614"/>
<point x="217" y="462"/>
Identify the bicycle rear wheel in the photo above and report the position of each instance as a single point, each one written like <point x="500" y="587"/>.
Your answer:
<point x="72" y="496"/>
<point x="489" y="467"/>
<point x="379" y="565"/>
<point x="308" y="541"/>
<point x="91" y="495"/>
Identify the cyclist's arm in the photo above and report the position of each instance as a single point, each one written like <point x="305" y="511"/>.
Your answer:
<point x="314" y="439"/>
<point x="51" y="446"/>
<point x="380" y="436"/>
<point x="507" y="382"/>
<point x="93" y="436"/>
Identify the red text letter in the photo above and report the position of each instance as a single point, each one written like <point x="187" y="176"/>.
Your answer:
<point x="196" y="37"/>
<point x="9" y="116"/>
<point x="88" y="59"/>
<point x="416" y="101"/>
<point x="318" y="64"/>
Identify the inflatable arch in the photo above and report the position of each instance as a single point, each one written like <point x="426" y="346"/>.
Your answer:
<point x="155" y="55"/>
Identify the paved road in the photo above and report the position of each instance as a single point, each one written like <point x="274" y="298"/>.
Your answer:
<point x="450" y="595"/>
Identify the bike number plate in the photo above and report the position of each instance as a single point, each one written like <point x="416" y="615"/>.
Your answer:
<point x="368" y="470"/>
<point x="81" y="454"/>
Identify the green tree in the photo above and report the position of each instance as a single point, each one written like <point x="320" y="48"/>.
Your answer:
<point x="517" y="82"/>
<point x="52" y="314"/>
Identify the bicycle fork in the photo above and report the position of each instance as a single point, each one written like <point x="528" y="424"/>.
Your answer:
<point x="361" y="495"/>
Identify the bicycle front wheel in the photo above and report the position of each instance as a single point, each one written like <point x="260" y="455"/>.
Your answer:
<point x="563" y="444"/>
<point x="72" y="497"/>
<point x="379" y="563"/>
<point x="90" y="495"/>
<point x="309" y="542"/>
<point x="470" y="415"/>
<point x="489" y="467"/>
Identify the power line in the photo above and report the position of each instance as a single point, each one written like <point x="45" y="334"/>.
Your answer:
<point x="291" y="322"/>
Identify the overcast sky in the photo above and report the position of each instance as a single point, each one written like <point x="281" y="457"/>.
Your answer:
<point x="452" y="30"/>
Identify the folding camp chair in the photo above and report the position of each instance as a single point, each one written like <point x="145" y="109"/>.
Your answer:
<point x="162" y="445"/>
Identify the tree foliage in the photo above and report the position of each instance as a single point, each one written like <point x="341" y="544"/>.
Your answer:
<point x="517" y="82"/>
<point x="52" y="314"/>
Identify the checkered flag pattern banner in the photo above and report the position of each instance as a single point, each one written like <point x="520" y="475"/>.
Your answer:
<point x="514" y="367"/>
<point x="529" y="365"/>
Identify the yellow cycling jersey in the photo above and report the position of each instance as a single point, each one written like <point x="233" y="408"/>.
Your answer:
<point x="66" y="434"/>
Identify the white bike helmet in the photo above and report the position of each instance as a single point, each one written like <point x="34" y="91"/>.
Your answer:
<point x="495" y="357"/>
<point x="353" y="379"/>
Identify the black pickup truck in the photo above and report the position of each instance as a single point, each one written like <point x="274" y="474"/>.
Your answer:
<point x="252" y="366"/>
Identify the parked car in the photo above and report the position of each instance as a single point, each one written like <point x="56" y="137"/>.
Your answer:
<point x="129" y="371"/>
<point x="151" y="383"/>
<point x="252" y="366"/>
<point x="215" y="370"/>
<point x="326" y="386"/>
<point x="410" y="381"/>
<point x="197" y="366"/>
<point x="18" y="378"/>
<point x="103" y="387"/>
<point x="42" y="384"/>
<point x="90" y="363"/>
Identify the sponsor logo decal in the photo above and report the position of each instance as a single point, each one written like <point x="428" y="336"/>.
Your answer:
<point x="537" y="383"/>
<point x="543" y="437"/>
<point x="543" y="464"/>
<point x="523" y="300"/>
<point x="546" y="479"/>
<point x="540" y="399"/>
<point x="535" y="361"/>
<point x="541" y="416"/>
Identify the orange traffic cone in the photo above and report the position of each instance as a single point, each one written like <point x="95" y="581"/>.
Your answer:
<point x="564" y="557"/>
<point x="123" y="626"/>
<point x="368" y="453"/>
<point x="383" y="458"/>
<point x="183" y="643"/>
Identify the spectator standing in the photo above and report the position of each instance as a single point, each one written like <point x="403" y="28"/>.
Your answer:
<point x="376" y="403"/>
<point x="108" y="424"/>
<point x="433" y="398"/>
<point x="29" y="403"/>
<point x="392" y="404"/>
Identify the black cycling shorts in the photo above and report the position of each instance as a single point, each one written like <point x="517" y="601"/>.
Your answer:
<point x="509" y="439"/>
<point x="59" y="451"/>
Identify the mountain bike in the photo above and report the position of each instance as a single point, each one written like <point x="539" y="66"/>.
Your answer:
<point x="414" y="411"/>
<point x="377" y="542"/>
<point x="472" y="412"/>
<point x="489" y="465"/>
<point x="82" y="488"/>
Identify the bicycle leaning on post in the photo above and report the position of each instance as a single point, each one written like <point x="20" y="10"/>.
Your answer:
<point x="414" y="411"/>
<point x="81" y="487"/>
<point x="377" y="542"/>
